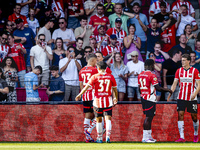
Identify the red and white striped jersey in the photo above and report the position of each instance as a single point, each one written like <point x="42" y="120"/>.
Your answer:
<point x="187" y="82"/>
<point x="84" y="76"/>
<point x="146" y="82"/>
<point x="155" y="7"/>
<point x="103" y="44"/>
<point x="4" y="49"/>
<point x="177" y="4"/>
<point x="120" y="35"/>
<point x="102" y="84"/>
<point x="57" y="5"/>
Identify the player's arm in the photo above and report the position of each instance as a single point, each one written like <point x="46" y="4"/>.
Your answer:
<point x="78" y="97"/>
<point x="115" y="95"/>
<point x="161" y="89"/>
<point x="173" y="87"/>
<point x="81" y="85"/>
<point x="197" y="90"/>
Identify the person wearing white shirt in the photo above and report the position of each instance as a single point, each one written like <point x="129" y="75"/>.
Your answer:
<point x="69" y="67"/>
<point x="41" y="54"/>
<point x="66" y="34"/>
<point x="135" y="67"/>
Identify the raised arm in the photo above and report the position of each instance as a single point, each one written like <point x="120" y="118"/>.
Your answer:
<point x="144" y="28"/>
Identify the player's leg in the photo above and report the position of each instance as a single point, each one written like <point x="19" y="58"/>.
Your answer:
<point x="181" y="105"/>
<point x="108" y="115"/>
<point x="149" y="109"/>
<point x="192" y="108"/>
<point x="98" y="112"/>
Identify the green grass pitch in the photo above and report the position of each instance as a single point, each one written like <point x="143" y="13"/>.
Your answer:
<point x="97" y="146"/>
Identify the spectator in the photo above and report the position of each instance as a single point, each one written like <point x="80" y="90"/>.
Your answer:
<point x="31" y="84"/>
<point x="40" y="55"/>
<point x="26" y="37"/>
<point x="160" y="56"/>
<point x="24" y="6"/>
<point x="90" y="7"/>
<point x="87" y="51"/>
<point x="9" y="27"/>
<point x="155" y="8"/>
<point x="120" y="72"/>
<point x="40" y="10"/>
<point x="182" y="46"/>
<point x="75" y="10"/>
<point x="46" y="31"/>
<point x="118" y="31"/>
<point x="3" y="87"/>
<point x="191" y="37"/>
<point x="66" y="34"/>
<point x="101" y="38"/>
<point x="157" y="70"/>
<point x="169" y="68"/>
<point x="17" y="52"/>
<point x="83" y="31"/>
<point x="162" y="15"/>
<point x="58" y="6"/>
<point x="57" y="85"/>
<point x="193" y="61"/>
<point x="17" y="15"/>
<point x="185" y="19"/>
<point x="132" y="43"/>
<point x="168" y="36"/>
<point x="69" y="67"/>
<point x="93" y="43"/>
<point x="112" y="47"/>
<point x="58" y="52"/>
<point x="153" y="33"/>
<point x="135" y="67"/>
<point x="120" y="14"/>
<point x="32" y="21"/>
<point x="99" y="19"/>
<point x="139" y="32"/>
<point x="109" y="8"/>
<point x="10" y="71"/>
<point x="197" y="51"/>
<point x="4" y="48"/>
<point x="79" y="53"/>
<point x="177" y="5"/>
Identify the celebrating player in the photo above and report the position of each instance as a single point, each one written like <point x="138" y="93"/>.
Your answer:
<point x="189" y="82"/>
<point x="148" y="82"/>
<point x="84" y="76"/>
<point x="103" y="84"/>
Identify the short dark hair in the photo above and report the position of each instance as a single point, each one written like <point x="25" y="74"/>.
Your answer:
<point x="100" y="5"/>
<point x="39" y="68"/>
<point x="83" y="18"/>
<point x="11" y="35"/>
<point x="99" y="53"/>
<point x="154" y="19"/>
<point x="163" y="4"/>
<point x="184" y="5"/>
<point x="136" y="4"/>
<point x="17" y="4"/>
<point x="187" y="56"/>
<point x="193" y="53"/>
<point x="91" y="56"/>
<point x="102" y="65"/>
<point x="63" y="18"/>
<point x="118" y="4"/>
<point x="87" y="47"/>
<point x="41" y="35"/>
<point x="175" y="51"/>
<point x="79" y="38"/>
<point x="71" y="47"/>
<point x="149" y="64"/>
<point x="56" y="68"/>
<point x="4" y="32"/>
<point x="157" y="43"/>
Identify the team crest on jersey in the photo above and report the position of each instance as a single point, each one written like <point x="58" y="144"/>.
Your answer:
<point x="155" y="79"/>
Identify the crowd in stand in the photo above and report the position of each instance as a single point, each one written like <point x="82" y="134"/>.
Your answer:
<point x="45" y="43"/>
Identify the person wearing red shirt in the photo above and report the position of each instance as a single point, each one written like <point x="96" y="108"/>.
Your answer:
<point x="117" y="30"/>
<point x="189" y="81"/>
<point x="84" y="75"/>
<point x="99" y="19"/>
<point x="101" y="38"/>
<point x="16" y="15"/>
<point x="104" y="86"/>
<point x="17" y="52"/>
<point x="148" y="84"/>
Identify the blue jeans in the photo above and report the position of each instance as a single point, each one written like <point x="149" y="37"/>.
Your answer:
<point x="21" y="75"/>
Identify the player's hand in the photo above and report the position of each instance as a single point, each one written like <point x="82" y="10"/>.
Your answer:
<point x="114" y="102"/>
<point x="78" y="97"/>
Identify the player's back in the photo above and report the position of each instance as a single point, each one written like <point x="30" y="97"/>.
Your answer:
<point x="146" y="81"/>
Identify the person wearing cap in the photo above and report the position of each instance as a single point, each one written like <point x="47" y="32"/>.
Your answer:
<point x="66" y="34"/>
<point x="46" y="31"/>
<point x="99" y="19"/>
<point x="120" y="14"/>
<point x="93" y="43"/>
<point x="16" y="15"/>
<point x="25" y="36"/>
<point x="102" y="39"/>
<point x="112" y="48"/>
<point x="139" y="32"/>
<point x="168" y="36"/>
<point x="118" y="31"/>
<point x="135" y="67"/>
